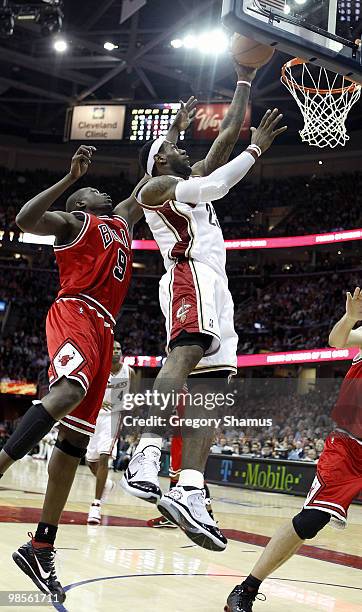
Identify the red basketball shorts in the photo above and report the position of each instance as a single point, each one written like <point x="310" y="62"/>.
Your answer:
<point x="339" y="477"/>
<point x="80" y="346"/>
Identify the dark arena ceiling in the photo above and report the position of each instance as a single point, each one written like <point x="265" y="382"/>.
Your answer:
<point x="37" y="84"/>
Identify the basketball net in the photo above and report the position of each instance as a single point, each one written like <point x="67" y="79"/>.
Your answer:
<point x="324" y="101"/>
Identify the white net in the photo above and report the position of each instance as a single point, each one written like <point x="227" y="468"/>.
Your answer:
<point x="324" y="100"/>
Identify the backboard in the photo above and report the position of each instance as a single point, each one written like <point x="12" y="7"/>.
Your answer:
<point x="320" y="31"/>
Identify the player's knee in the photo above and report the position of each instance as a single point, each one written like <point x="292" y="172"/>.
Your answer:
<point x="72" y="442"/>
<point x="309" y="522"/>
<point x="103" y="460"/>
<point x="67" y="394"/>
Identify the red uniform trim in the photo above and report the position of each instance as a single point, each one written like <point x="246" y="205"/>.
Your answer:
<point x="184" y="302"/>
<point x="182" y="226"/>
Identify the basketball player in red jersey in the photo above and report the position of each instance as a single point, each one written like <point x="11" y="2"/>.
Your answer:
<point x="195" y="300"/>
<point x="339" y="470"/>
<point x="93" y="253"/>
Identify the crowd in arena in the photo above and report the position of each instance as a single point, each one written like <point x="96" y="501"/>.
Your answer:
<point x="310" y="204"/>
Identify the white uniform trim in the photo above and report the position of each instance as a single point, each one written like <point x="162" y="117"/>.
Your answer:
<point x="86" y="222"/>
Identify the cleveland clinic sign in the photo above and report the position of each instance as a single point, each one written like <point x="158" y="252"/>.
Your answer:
<point x="98" y="122"/>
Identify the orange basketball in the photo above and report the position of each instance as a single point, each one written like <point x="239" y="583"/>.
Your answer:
<point x="250" y="53"/>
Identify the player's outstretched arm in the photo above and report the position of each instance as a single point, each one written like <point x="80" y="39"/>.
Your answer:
<point x="343" y="335"/>
<point x="216" y="185"/>
<point x="34" y="216"/>
<point x="231" y="125"/>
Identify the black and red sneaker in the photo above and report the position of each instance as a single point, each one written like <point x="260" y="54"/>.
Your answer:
<point x="37" y="562"/>
<point x="241" y="599"/>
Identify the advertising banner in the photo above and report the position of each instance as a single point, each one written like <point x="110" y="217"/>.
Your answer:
<point x="99" y="122"/>
<point x="208" y="120"/>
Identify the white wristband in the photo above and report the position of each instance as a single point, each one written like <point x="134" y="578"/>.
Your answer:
<point x="244" y="83"/>
<point x="256" y="148"/>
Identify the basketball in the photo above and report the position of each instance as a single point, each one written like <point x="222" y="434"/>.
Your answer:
<point x="248" y="52"/>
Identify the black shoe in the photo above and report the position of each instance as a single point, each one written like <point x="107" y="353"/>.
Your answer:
<point x="38" y="564"/>
<point x="241" y="599"/>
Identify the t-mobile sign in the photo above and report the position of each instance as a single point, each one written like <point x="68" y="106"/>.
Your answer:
<point x="208" y="120"/>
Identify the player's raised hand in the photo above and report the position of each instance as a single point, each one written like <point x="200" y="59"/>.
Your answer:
<point x="354" y="305"/>
<point x="81" y="161"/>
<point x="244" y="73"/>
<point x="268" y="130"/>
<point x="186" y="114"/>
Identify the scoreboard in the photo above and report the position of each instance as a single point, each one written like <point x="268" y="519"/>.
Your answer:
<point x="151" y="121"/>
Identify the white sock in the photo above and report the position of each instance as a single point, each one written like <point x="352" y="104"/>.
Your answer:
<point x="147" y="440"/>
<point x="96" y="502"/>
<point x="191" y="478"/>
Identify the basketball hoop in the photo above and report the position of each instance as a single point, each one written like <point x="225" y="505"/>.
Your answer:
<point x="324" y="100"/>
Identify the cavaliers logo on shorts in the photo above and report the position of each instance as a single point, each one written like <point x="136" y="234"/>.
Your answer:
<point x="182" y="312"/>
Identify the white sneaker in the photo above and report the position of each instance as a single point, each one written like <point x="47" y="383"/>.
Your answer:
<point x="141" y="477"/>
<point x="94" y="515"/>
<point x="108" y="488"/>
<point x="186" y="508"/>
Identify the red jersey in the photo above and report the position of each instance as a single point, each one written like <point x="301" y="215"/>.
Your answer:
<point x="97" y="265"/>
<point x="347" y="412"/>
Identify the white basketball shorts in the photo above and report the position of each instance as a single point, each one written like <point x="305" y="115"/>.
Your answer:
<point x="104" y="440"/>
<point x="196" y="299"/>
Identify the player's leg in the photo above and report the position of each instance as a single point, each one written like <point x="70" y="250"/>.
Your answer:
<point x="101" y="474"/>
<point x="36" y="558"/>
<point x="186" y="503"/>
<point x="39" y="419"/>
<point x="335" y="486"/>
<point x="188" y="339"/>
<point x="84" y="367"/>
<point x="141" y="477"/>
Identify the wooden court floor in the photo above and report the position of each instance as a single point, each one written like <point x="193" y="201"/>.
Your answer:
<point x="124" y="565"/>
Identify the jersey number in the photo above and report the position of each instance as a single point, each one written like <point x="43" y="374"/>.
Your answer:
<point x="213" y="220"/>
<point x="120" y="269"/>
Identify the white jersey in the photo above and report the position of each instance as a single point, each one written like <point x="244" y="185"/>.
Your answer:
<point x="188" y="231"/>
<point x="118" y="385"/>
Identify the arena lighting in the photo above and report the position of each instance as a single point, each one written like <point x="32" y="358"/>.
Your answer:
<point x="300" y="1"/>
<point x="212" y="42"/>
<point x="177" y="43"/>
<point x="60" y="45"/>
<point x="109" y="46"/>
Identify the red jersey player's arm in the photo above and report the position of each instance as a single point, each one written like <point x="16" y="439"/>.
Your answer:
<point x="231" y="125"/>
<point x="343" y="335"/>
<point x="130" y="209"/>
<point x="34" y="216"/>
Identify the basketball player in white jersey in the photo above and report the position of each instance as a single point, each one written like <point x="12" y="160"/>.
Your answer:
<point x="103" y="444"/>
<point x="194" y="297"/>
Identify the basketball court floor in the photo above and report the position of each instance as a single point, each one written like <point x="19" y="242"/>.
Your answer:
<point x="124" y="565"/>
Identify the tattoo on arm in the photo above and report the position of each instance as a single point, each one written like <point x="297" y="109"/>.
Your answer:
<point x="224" y="144"/>
<point x="158" y="190"/>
